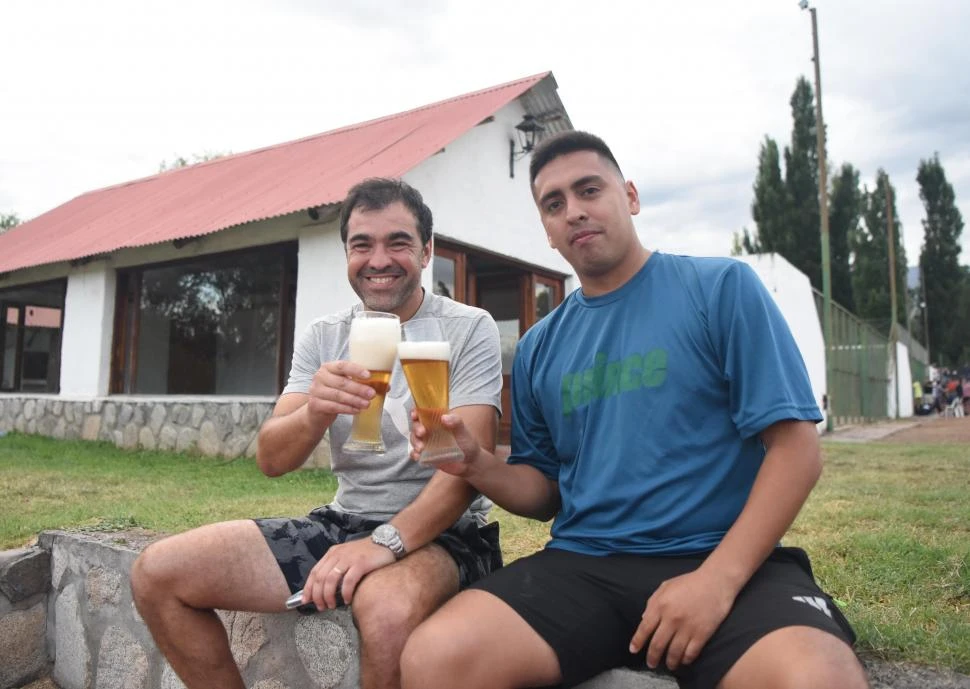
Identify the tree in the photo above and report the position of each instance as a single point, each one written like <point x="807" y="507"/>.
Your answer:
<point x="940" y="269"/>
<point x="744" y="243"/>
<point x="786" y="210"/>
<point x="182" y="161"/>
<point x="8" y="220"/>
<point x="870" y="272"/>
<point x="801" y="183"/>
<point x="769" y="206"/>
<point x="959" y="353"/>
<point x="845" y="210"/>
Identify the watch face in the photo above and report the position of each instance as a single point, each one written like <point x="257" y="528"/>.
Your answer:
<point x="387" y="535"/>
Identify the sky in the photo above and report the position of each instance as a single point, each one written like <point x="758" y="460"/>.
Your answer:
<point x="101" y="92"/>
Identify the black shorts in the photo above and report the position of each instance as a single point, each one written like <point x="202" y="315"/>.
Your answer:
<point x="298" y="544"/>
<point x="587" y="608"/>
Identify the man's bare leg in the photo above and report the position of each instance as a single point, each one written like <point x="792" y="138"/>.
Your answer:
<point x="391" y="602"/>
<point x="476" y="641"/>
<point x="179" y="581"/>
<point x="797" y="658"/>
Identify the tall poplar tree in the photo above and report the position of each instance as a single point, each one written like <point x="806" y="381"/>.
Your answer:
<point x="801" y="183"/>
<point x="770" y="206"/>
<point x="870" y="272"/>
<point x="940" y="272"/>
<point x="846" y="204"/>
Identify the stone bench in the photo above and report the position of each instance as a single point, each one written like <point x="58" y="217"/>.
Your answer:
<point x="66" y="611"/>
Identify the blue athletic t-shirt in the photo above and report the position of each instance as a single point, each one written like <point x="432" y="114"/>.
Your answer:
<point x="646" y="404"/>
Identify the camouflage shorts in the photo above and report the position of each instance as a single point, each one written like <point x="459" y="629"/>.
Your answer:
<point x="298" y="544"/>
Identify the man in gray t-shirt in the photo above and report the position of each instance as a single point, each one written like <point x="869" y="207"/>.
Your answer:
<point x="380" y="486"/>
<point x="398" y="538"/>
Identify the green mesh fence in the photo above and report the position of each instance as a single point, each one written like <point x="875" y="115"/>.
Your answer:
<point x="859" y="387"/>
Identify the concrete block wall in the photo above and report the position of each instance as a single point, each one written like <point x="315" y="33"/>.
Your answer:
<point x="66" y="611"/>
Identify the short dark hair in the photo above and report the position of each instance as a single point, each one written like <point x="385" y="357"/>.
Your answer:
<point x="377" y="193"/>
<point x="568" y="142"/>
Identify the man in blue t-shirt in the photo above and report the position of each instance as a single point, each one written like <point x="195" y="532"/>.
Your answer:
<point x="663" y="416"/>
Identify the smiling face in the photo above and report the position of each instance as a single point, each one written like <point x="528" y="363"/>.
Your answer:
<point x="586" y="208"/>
<point x="385" y="257"/>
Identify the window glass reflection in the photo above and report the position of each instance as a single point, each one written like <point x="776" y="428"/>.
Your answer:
<point x="30" y="338"/>
<point x="211" y="327"/>
<point x="544" y="297"/>
<point x="443" y="275"/>
<point x="502" y="301"/>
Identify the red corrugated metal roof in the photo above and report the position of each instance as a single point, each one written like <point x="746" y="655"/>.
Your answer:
<point x="241" y="188"/>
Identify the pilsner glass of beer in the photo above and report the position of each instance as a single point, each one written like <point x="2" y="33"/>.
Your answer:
<point x="425" y="356"/>
<point x="374" y="336"/>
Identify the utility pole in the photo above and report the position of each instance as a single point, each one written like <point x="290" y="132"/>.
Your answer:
<point x="893" y="334"/>
<point x="926" y="315"/>
<point x="823" y="205"/>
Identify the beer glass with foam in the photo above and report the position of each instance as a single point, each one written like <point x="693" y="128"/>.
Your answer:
<point x="374" y="337"/>
<point x="425" y="356"/>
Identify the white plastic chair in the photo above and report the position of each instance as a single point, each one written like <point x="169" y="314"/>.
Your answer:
<point x="954" y="409"/>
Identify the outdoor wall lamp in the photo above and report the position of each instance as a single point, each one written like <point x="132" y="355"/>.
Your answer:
<point x="526" y="131"/>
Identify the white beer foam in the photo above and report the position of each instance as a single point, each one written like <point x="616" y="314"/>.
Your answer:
<point x="373" y="342"/>
<point x="433" y="351"/>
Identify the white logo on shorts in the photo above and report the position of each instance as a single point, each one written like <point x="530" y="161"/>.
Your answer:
<point x="819" y="604"/>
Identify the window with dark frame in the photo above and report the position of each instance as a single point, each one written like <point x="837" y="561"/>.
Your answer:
<point x="213" y="325"/>
<point x="31" y="323"/>
<point x="467" y="274"/>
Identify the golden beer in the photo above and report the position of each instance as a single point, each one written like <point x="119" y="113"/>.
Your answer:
<point x="425" y="366"/>
<point x="367" y="424"/>
<point x="374" y="337"/>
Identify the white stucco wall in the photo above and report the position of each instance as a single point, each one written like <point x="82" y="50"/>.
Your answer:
<point x="792" y="291"/>
<point x="901" y="385"/>
<point x="86" y="339"/>
<point x="321" y="282"/>
<point x="474" y="200"/>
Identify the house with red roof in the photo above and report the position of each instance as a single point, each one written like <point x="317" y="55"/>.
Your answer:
<point x="161" y="312"/>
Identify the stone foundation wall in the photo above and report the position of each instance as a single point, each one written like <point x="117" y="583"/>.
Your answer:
<point x="85" y="632"/>
<point x="24" y="582"/>
<point x="223" y="427"/>
<point x="66" y="611"/>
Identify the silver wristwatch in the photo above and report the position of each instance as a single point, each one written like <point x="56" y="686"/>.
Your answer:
<point x="388" y="536"/>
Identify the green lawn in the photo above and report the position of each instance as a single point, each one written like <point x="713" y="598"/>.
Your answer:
<point x="48" y="484"/>
<point x="888" y="529"/>
<point x="888" y="526"/>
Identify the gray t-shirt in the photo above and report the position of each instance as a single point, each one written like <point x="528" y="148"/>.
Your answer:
<point x="380" y="486"/>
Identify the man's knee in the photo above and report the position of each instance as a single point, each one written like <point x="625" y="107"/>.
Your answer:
<point x="433" y="652"/>
<point x="842" y="673"/>
<point x="840" y="669"/>
<point x="797" y="658"/>
<point x="155" y="573"/>
<point x="146" y="576"/>
<point x="390" y="602"/>
<point x="382" y="612"/>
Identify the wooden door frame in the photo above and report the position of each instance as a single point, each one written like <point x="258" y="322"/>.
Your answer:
<point x="525" y="277"/>
<point x="18" y="347"/>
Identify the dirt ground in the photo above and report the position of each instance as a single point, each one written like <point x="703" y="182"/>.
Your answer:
<point x="933" y="430"/>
